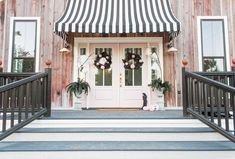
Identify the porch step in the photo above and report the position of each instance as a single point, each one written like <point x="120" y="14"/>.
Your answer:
<point x="116" y="138"/>
<point x="209" y="136"/>
<point x="120" y="155"/>
<point x="118" y="146"/>
<point x="118" y="130"/>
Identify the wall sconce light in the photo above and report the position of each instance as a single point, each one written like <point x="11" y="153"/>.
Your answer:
<point x="170" y="45"/>
<point x="171" y="48"/>
<point x="65" y="49"/>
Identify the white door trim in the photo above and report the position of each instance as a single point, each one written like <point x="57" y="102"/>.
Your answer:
<point x="150" y="41"/>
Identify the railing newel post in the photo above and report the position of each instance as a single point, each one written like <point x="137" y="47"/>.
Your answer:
<point x="233" y="77"/>
<point x="233" y="71"/>
<point x="184" y="92"/>
<point x="232" y="95"/>
<point x="1" y="68"/>
<point x="48" y="92"/>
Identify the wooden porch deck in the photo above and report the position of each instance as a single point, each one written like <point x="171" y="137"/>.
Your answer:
<point x="116" y="114"/>
<point x="121" y="134"/>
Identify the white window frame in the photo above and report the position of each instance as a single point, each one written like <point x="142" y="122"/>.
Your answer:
<point x="224" y="18"/>
<point x="12" y="19"/>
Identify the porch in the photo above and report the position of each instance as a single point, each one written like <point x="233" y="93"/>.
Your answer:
<point x="103" y="133"/>
<point x="29" y="129"/>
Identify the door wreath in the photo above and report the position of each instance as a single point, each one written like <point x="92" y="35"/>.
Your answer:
<point x="132" y="61"/>
<point x="103" y="61"/>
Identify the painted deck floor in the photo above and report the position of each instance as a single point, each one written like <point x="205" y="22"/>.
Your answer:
<point x="116" y="134"/>
<point x="116" y="114"/>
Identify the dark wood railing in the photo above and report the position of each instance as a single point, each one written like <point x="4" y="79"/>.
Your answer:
<point x="224" y="77"/>
<point x="211" y="101"/>
<point x="23" y="98"/>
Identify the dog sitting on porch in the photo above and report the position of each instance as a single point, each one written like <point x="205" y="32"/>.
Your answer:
<point x="145" y="104"/>
<point x="150" y="107"/>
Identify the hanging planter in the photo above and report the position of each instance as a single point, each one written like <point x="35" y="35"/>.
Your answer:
<point x="132" y="61"/>
<point x="103" y="61"/>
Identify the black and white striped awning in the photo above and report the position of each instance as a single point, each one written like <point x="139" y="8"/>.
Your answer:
<point x="117" y="16"/>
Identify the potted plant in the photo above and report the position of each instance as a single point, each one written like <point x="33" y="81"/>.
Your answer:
<point x="77" y="89"/>
<point x="162" y="88"/>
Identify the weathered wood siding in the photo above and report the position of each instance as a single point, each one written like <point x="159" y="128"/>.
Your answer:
<point x="50" y="10"/>
<point x="187" y="11"/>
<point x="50" y="44"/>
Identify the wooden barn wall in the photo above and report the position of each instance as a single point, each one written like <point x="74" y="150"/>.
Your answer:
<point x="50" y="10"/>
<point x="187" y="11"/>
<point x="50" y="44"/>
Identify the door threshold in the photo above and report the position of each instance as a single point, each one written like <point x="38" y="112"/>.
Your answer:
<point x="116" y="109"/>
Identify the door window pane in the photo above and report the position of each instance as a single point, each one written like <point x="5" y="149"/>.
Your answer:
<point x="138" y="77"/>
<point x="24" y="45"/>
<point x="103" y="77"/>
<point x="108" y="77"/>
<point x="99" y="77"/>
<point x="128" y="77"/>
<point x="82" y="51"/>
<point x="133" y="77"/>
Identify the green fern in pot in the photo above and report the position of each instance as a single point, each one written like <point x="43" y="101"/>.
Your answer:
<point x="78" y="87"/>
<point x="158" y="84"/>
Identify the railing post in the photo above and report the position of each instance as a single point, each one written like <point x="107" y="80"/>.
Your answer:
<point x="1" y="68"/>
<point x="184" y="88"/>
<point x="232" y="95"/>
<point x="233" y="78"/>
<point x="48" y="92"/>
<point x="185" y="104"/>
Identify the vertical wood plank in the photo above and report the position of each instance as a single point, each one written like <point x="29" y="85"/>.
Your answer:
<point x="58" y="88"/>
<point x="2" y="21"/>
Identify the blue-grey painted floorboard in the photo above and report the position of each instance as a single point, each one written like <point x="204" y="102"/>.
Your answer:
<point x="115" y="114"/>
<point x="118" y="146"/>
<point x="116" y="130"/>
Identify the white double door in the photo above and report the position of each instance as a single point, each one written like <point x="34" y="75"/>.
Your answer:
<point x="118" y="87"/>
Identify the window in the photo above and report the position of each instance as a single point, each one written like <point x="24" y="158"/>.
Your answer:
<point x="24" y="45"/>
<point x="103" y="77"/>
<point x="213" y="50"/>
<point x="156" y="69"/>
<point x="133" y="77"/>
<point x="82" y="63"/>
